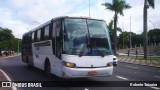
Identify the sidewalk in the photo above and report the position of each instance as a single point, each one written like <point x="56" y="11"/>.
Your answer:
<point x="2" y="73"/>
<point x="153" y="61"/>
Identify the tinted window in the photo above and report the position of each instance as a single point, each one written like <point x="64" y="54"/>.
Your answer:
<point x="46" y="32"/>
<point x="38" y="35"/>
<point x="33" y="37"/>
<point x="53" y="31"/>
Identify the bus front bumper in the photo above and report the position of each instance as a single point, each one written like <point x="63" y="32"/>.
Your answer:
<point x="85" y="72"/>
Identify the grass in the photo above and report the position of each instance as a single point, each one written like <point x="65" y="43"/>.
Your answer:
<point x="149" y="58"/>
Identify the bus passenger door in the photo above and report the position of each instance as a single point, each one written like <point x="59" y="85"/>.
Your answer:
<point x="57" y="45"/>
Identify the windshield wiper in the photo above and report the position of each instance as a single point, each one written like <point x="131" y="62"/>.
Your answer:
<point x="84" y="47"/>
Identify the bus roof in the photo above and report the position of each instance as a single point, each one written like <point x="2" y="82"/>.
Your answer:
<point x="48" y="22"/>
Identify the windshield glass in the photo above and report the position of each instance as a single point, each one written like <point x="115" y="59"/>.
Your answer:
<point x="76" y="35"/>
<point x="99" y="36"/>
<point x="88" y="37"/>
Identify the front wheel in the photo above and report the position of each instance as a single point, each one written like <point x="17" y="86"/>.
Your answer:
<point x="48" y="70"/>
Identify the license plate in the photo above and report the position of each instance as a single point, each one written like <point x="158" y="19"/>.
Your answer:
<point x="92" y="73"/>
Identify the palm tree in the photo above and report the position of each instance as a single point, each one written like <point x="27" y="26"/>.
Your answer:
<point x="147" y="3"/>
<point x="117" y="6"/>
<point x="110" y="27"/>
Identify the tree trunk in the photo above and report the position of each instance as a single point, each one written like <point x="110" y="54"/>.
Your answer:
<point x="145" y="36"/>
<point x="115" y="34"/>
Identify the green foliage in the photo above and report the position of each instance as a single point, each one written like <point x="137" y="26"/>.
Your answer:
<point x="150" y="3"/>
<point x="8" y="40"/>
<point x="117" y="6"/>
<point x="136" y="39"/>
<point x="154" y="36"/>
<point x="110" y="25"/>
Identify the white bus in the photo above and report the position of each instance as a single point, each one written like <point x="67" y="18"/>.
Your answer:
<point x="69" y="47"/>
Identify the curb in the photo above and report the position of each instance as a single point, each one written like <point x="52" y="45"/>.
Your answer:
<point x="124" y="60"/>
<point x="9" y="56"/>
<point x="140" y="64"/>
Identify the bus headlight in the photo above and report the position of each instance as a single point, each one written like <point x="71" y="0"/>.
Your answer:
<point x="109" y="64"/>
<point x="69" y="64"/>
<point x="114" y="58"/>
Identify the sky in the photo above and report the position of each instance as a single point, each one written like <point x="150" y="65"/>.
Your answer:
<point x="24" y="15"/>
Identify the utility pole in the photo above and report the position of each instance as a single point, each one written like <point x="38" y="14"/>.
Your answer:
<point x="18" y="47"/>
<point x="123" y="35"/>
<point x="89" y="8"/>
<point x="130" y="34"/>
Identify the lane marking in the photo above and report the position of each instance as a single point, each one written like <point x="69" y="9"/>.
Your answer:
<point x="157" y="88"/>
<point x="86" y="89"/>
<point x="7" y="77"/>
<point x="157" y="76"/>
<point x="132" y="67"/>
<point x="121" y="77"/>
<point x="135" y="72"/>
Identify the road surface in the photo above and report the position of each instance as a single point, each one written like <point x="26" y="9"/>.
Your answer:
<point x="18" y="71"/>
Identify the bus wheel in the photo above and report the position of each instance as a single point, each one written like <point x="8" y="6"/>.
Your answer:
<point x="27" y="61"/>
<point x="48" y="69"/>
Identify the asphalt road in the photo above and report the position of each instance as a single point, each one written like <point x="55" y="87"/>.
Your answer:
<point x="18" y="71"/>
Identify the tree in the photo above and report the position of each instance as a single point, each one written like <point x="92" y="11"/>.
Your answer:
<point x="8" y="40"/>
<point x="154" y="36"/>
<point x="147" y="3"/>
<point x="117" y="6"/>
<point x="110" y="27"/>
<point x="136" y="39"/>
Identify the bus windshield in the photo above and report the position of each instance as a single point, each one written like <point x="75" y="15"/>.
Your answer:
<point x="86" y="37"/>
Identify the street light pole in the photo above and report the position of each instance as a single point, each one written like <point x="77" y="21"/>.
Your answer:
<point x="130" y="33"/>
<point x="89" y="8"/>
<point x="154" y="40"/>
<point x="123" y="35"/>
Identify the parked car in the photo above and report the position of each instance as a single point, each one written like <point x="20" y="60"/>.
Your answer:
<point x="115" y="61"/>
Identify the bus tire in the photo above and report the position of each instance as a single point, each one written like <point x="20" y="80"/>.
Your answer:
<point x="47" y="68"/>
<point x="27" y="61"/>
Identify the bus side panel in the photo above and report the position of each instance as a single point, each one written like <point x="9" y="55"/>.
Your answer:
<point x="43" y="51"/>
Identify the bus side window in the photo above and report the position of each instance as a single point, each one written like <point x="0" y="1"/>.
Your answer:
<point x="46" y="33"/>
<point x="35" y="36"/>
<point x="42" y="34"/>
<point x="38" y="35"/>
<point x="29" y="38"/>
<point x="32" y="36"/>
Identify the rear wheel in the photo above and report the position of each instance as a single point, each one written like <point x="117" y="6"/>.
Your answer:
<point x="27" y="61"/>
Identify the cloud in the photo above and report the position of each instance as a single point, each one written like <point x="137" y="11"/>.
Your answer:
<point x="19" y="15"/>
